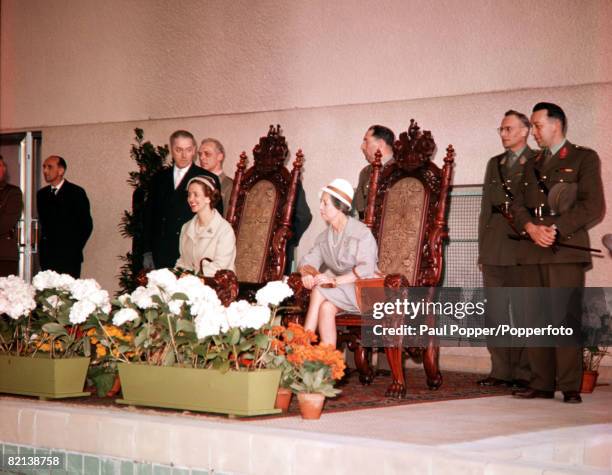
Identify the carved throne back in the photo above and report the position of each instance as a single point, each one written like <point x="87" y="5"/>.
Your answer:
<point x="407" y="206"/>
<point x="261" y="209"/>
<point x="406" y="212"/>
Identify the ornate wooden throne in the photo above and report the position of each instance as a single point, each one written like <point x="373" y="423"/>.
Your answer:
<point x="261" y="209"/>
<point x="406" y="212"/>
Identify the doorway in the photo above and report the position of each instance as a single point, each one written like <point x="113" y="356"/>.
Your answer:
<point x="21" y="152"/>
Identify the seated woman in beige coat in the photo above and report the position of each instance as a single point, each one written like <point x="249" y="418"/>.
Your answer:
<point x="207" y="241"/>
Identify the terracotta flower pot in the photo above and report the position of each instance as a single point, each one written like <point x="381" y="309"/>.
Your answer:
<point x="283" y="399"/>
<point x="589" y="381"/>
<point x="311" y="405"/>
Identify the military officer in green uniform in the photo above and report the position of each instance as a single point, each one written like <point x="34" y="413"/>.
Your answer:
<point x="497" y="253"/>
<point x="561" y="199"/>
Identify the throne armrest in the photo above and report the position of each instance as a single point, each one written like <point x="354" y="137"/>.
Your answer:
<point x="225" y="284"/>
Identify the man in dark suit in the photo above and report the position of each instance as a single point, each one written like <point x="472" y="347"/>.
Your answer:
<point x="166" y="208"/>
<point x="546" y="217"/>
<point x="299" y="224"/>
<point x="377" y="137"/>
<point x="11" y="203"/>
<point x="65" y="221"/>
<point x="497" y="253"/>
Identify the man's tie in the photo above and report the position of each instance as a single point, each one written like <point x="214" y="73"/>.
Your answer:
<point x="54" y="190"/>
<point x="547" y="156"/>
<point x="511" y="160"/>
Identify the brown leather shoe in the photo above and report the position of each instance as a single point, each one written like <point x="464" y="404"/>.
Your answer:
<point x="572" y="397"/>
<point x="529" y="393"/>
<point x="491" y="381"/>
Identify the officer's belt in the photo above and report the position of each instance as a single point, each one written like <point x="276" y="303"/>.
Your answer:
<point x="542" y="211"/>
<point x="503" y="208"/>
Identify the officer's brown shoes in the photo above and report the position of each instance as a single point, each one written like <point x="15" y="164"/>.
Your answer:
<point x="529" y="393"/>
<point x="572" y="397"/>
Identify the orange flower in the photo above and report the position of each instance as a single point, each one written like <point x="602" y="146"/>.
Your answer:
<point x="93" y="340"/>
<point x="278" y="347"/>
<point x="299" y="335"/>
<point x="100" y="351"/>
<point x="325" y="354"/>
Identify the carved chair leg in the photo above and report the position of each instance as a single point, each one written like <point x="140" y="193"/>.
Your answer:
<point x="397" y="388"/>
<point x="431" y="366"/>
<point x="361" y="355"/>
<point x="362" y="363"/>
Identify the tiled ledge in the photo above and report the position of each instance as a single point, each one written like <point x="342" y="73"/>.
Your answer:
<point x="89" y="464"/>
<point x="134" y="442"/>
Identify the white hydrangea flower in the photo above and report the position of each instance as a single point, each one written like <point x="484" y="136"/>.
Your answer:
<point x="211" y="321"/>
<point x="258" y="316"/>
<point x="244" y="315"/>
<point x="80" y="289"/>
<point x="52" y="280"/>
<point x="124" y="299"/>
<point x="273" y="293"/>
<point x="89" y="289"/>
<point x="16" y="297"/>
<point x="163" y="279"/>
<point x="125" y="315"/>
<point x="142" y="298"/>
<point x="189" y="285"/>
<point x="80" y="311"/>
<point x="175" y="306"/>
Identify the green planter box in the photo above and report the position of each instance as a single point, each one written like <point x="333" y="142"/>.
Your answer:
<point x="241" y="393"/>
<point x="43" y="377"/>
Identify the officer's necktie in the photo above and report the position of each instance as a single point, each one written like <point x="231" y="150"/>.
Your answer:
<point x="547" y="155"/>
<point x="510" y="160"/>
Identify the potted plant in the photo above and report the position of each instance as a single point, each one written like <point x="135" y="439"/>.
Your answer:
<point x="316" y="368"/>
<point x="44" y="349"/>
<point x="591" y="359"/>
<point x="284" y="340"/>
<point x="181" y="348"/>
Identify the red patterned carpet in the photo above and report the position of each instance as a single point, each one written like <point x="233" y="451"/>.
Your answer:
<point x="355" y="396"/>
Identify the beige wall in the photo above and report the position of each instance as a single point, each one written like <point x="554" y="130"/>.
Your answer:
<point x="86" y="73"/>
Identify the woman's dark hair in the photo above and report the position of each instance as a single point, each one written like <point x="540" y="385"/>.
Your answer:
<point x="213" y="194"/>
<point x="341" y="206"/>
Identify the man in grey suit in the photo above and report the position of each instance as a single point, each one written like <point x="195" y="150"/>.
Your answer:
<point x="497" y="254"/>
<point x="212" y="156"/>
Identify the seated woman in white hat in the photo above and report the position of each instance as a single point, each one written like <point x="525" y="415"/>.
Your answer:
<point x="349" y="252"/>
<point x="207" y="241"/>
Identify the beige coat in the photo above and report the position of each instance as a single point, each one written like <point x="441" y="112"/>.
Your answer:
<point x="216" y="244"/>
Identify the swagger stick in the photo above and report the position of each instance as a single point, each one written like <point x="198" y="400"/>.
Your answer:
<point x="518" y="237"/>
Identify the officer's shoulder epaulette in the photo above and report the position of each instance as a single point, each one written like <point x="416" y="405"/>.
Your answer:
<point x="580" y="147"/>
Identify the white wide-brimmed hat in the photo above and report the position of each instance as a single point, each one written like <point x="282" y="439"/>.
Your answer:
<point x="341" y="189"/>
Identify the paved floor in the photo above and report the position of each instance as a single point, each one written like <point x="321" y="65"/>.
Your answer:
<point x="448" y="422"/>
